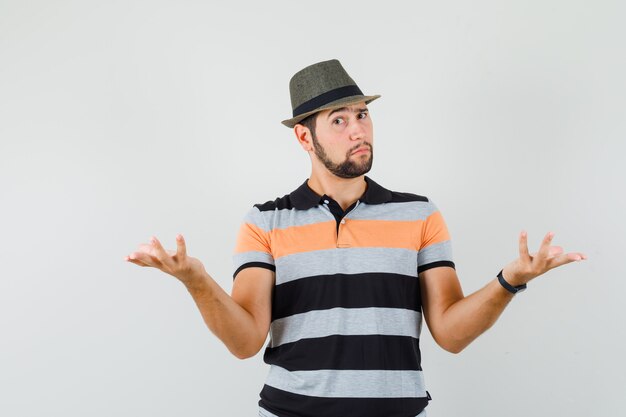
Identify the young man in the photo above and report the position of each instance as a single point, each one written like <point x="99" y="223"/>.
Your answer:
<point x="340" y="271"/>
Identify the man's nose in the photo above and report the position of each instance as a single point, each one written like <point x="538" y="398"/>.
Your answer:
<point x="357" y="130"/>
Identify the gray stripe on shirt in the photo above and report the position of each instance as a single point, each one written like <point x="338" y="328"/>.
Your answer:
<point x="346" y="321"/>
<point x="349" y="383"/>
<point x="436" y="252"/>
<point x="346" y="261"/>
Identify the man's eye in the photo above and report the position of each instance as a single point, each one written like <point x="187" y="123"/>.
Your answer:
<point x="337" y="120"/>
<point x="364" y="114"/>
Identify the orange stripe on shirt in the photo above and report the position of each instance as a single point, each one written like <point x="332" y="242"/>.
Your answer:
<point x="252" y="238"/>
<point x="352" y="234"/>
<point x="412" y="235"/>
<point x="434" y="230"/>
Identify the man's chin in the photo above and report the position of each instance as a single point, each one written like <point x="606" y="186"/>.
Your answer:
<point x="353" y="174"/>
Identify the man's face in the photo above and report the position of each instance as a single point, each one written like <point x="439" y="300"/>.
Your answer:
<point x="341" y="132"/>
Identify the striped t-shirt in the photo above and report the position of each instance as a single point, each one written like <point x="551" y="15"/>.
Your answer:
<point x="346" y="307"/>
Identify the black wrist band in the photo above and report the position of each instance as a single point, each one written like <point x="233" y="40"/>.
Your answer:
<point x="509" y="287"/>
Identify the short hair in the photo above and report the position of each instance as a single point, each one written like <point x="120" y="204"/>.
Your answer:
<point x="309" y="122"/>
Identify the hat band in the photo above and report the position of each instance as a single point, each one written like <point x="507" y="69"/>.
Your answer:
<point x="327" y="97"/>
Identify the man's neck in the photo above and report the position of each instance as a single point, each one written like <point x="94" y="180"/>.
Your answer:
<point x="345" y="191"/>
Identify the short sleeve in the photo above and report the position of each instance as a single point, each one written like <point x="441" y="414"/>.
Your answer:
<point x="252" y="247"/>
<point x="435" y="247"/>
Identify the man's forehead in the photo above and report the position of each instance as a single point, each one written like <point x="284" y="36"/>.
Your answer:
<point x="354" y="108"/>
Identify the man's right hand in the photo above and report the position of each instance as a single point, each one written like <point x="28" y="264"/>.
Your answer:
<point x="240" y="321"/>
<point x="187" y="269"/>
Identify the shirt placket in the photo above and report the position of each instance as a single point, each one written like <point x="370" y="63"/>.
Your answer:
<point x="341" y="236"/>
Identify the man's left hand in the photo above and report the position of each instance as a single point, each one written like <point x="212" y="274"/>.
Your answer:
<point x="529" y="266"/>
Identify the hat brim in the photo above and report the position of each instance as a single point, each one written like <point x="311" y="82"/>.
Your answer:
<point x="342" y="102"/>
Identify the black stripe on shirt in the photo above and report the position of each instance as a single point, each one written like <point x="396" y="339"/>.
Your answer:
<point x="256" y="264"/>
<point x="322" y="292"/>
<point x="427" y="266"/>
<point x="287" y="404"/>
<point x="362" y="352"/>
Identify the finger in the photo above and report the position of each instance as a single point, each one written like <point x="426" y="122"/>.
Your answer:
<point x="158" y="249"/>
<point x="181" y="247"/>
<point x="139" y="259"/>
<point x="523" y="247"/>
<point x="565" y="258"/>
<point x="544" y="250"/>
<point x="555" y="251"/>
<point x="147" y="248"/>
<point x="577" y="256"/>
<point x="136" y="262"/>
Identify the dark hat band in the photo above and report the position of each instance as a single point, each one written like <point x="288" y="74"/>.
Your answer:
<point x="327" y="97"/>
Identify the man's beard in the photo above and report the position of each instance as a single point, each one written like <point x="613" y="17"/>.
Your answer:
<point x="347" y="168"/>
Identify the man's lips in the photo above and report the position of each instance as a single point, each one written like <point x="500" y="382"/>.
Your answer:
<point x="361" y="150"/>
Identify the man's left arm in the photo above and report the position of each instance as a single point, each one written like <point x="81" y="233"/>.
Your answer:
<point x="455" y="320"/>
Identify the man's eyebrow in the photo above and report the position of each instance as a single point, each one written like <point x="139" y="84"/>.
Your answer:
<point x="345" y="109"/>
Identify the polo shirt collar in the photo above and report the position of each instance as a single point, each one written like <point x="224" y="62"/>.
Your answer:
<point x="304" y="197"/>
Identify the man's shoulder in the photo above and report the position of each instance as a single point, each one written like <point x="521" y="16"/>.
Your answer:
<point x="377" y="193"/>
<point x="261" y="213"/>
<point x="301" y="198"/>
<point x="405" y="197"/>
<point x="278" y="203"/>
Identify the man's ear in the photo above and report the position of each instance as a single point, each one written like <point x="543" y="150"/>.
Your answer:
<point x="303" y="134"/>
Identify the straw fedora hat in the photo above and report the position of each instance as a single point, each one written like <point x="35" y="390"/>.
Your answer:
<point x="322" y="86"/>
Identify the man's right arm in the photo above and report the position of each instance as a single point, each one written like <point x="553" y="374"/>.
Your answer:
<point x="241" y="320"/>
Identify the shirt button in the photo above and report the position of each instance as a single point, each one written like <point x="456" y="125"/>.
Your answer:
<point x="343" y="221"/>
<point x="326" y="201"/>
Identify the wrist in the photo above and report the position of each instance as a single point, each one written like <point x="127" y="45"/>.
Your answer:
<point x="511" y="287"/>
<point x="197" y="282"/>
<point x="511" y="277"/>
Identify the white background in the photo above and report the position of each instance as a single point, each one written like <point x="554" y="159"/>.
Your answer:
<point x="125" y="119"/>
